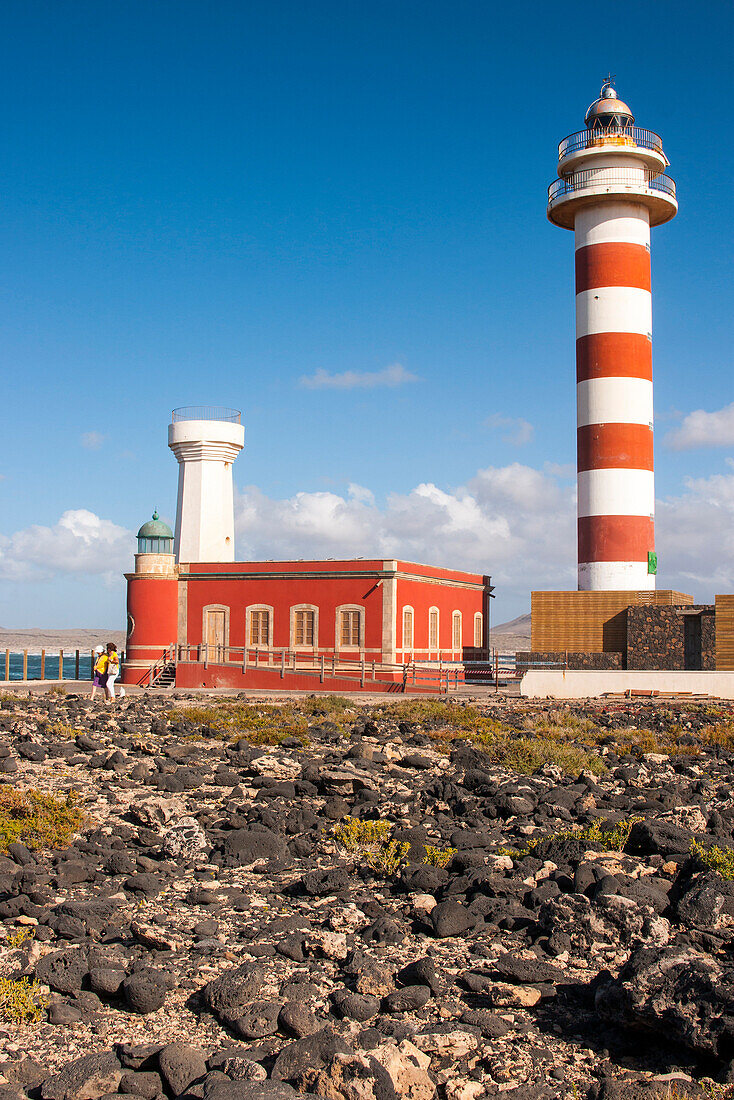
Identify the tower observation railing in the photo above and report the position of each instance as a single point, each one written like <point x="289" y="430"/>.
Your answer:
<point x="206" y="412"/>
<point x="609" y="177"/>
<point x="614" y="136"/>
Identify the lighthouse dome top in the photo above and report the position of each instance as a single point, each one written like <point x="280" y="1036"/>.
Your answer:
<point x="608" y="110"/>
<point x="155" y="528"/>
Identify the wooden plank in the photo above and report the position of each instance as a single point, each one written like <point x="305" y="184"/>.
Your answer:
<point x="589" y="622"/>
<point x="725" y="633"/>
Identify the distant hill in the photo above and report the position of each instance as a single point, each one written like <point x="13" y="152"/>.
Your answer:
<point x="520" y="625"/>
<point x="35" y="639"/>
<point x="512" y="636"/>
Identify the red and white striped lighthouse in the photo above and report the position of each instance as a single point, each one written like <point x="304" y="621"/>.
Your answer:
<point x="611" y="189"/>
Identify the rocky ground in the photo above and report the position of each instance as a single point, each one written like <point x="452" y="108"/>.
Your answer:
<point x="365" y="903"/>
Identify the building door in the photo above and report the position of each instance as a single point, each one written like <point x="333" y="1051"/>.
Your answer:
<point x="692" y="642"/>
<point x="215" y="639"/>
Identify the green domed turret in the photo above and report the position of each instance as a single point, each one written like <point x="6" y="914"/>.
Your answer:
<point x="155" y="537"/>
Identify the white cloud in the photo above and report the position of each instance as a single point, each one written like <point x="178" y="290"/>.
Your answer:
<point x="395" y="375"/>
<point x="359" y="493"/>
<point x="517" y="431"/>
<point x="80" y="542"/>
<point x="695" y="536"/>
<point x="704" y="429"/>
<point x="513" y="522"/>
<point x="92" y="440"/>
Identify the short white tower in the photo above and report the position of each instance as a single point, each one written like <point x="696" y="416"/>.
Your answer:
<point x="206" y="441"/>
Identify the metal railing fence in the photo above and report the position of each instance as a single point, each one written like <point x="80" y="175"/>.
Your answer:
<point x="152" y="674"/>
<point x="604" y="177"/>
<point x="206" y="412"/>
<point x="593" y="139"/>
<point x="488" y="668"/>
<point x="441" y="675"/>
<point x="74" y="664"/>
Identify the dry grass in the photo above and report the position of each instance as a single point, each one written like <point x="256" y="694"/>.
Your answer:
<point x="63" y="731"/>
<point x="550" y="741"/>
<point x="522" y="741"/>
<point x="263" y="724"/>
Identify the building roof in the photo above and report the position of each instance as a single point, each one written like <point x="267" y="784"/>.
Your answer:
<point x="155" y="528"/>
<point x="607" y="104"/>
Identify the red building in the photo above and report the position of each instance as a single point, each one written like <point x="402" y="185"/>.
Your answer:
<point x="297" y="624"/>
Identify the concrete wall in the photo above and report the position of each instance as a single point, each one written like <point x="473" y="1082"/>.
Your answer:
<point x="585" y="685"/>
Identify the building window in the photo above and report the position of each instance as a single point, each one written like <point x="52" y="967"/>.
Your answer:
<point x="259" y="625"/>
<point x="407" y="628"/>
<point x="433" y="628"/>
<point x="349" y="628"/>
<point x="304" y="630"/>
<point x="456" y="630"/>
<point x="259" y="628"/>
<point x="155" y="545"/>
<point x="478" y="630"/>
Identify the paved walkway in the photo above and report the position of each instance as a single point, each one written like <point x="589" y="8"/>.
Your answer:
<point x="465" y="693"/>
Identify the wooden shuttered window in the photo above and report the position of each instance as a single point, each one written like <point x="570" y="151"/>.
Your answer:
<point x="349" y="628"/>
<point x="407" y="628"/>
<point x="259" y="628"/>
<point x="433" y="629"/>
<point x="304" y="627"/>
<point x="456" y="630"/>
<point x="478" y="631"/>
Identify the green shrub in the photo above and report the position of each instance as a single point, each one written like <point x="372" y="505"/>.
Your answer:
<point x="608" y="836"/>
<point x="601" y="836"/>
<point x="22" y="1001"/>
<point x="716" y="859"/>
<point x="17" y="939"/>
<point x="37" y="820"/>
<point x="371" y="842"/>
<point x="438" y="857"/>
<point x="63" y="730"/>
<point x="354" y="835"/>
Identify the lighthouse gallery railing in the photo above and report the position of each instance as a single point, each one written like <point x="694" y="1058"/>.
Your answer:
<point x="607" y="177"/>
<point x="592" y="139"/>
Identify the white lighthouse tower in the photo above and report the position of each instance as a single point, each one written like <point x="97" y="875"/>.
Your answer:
<point x="206" y="441"/>
<point x="611" y="189"/>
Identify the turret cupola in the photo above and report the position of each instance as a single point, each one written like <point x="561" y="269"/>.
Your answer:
<point x="155" y="537"/>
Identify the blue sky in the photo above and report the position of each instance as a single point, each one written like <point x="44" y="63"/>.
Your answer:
<point x="210" y="202"/>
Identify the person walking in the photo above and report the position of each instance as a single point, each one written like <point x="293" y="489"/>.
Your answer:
<point x="99" y="679"/>
<point x="113" y="671"/>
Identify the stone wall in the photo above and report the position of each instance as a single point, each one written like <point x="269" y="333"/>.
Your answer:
<point x="578" y="661"/>
<point x="656" y="637"/>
